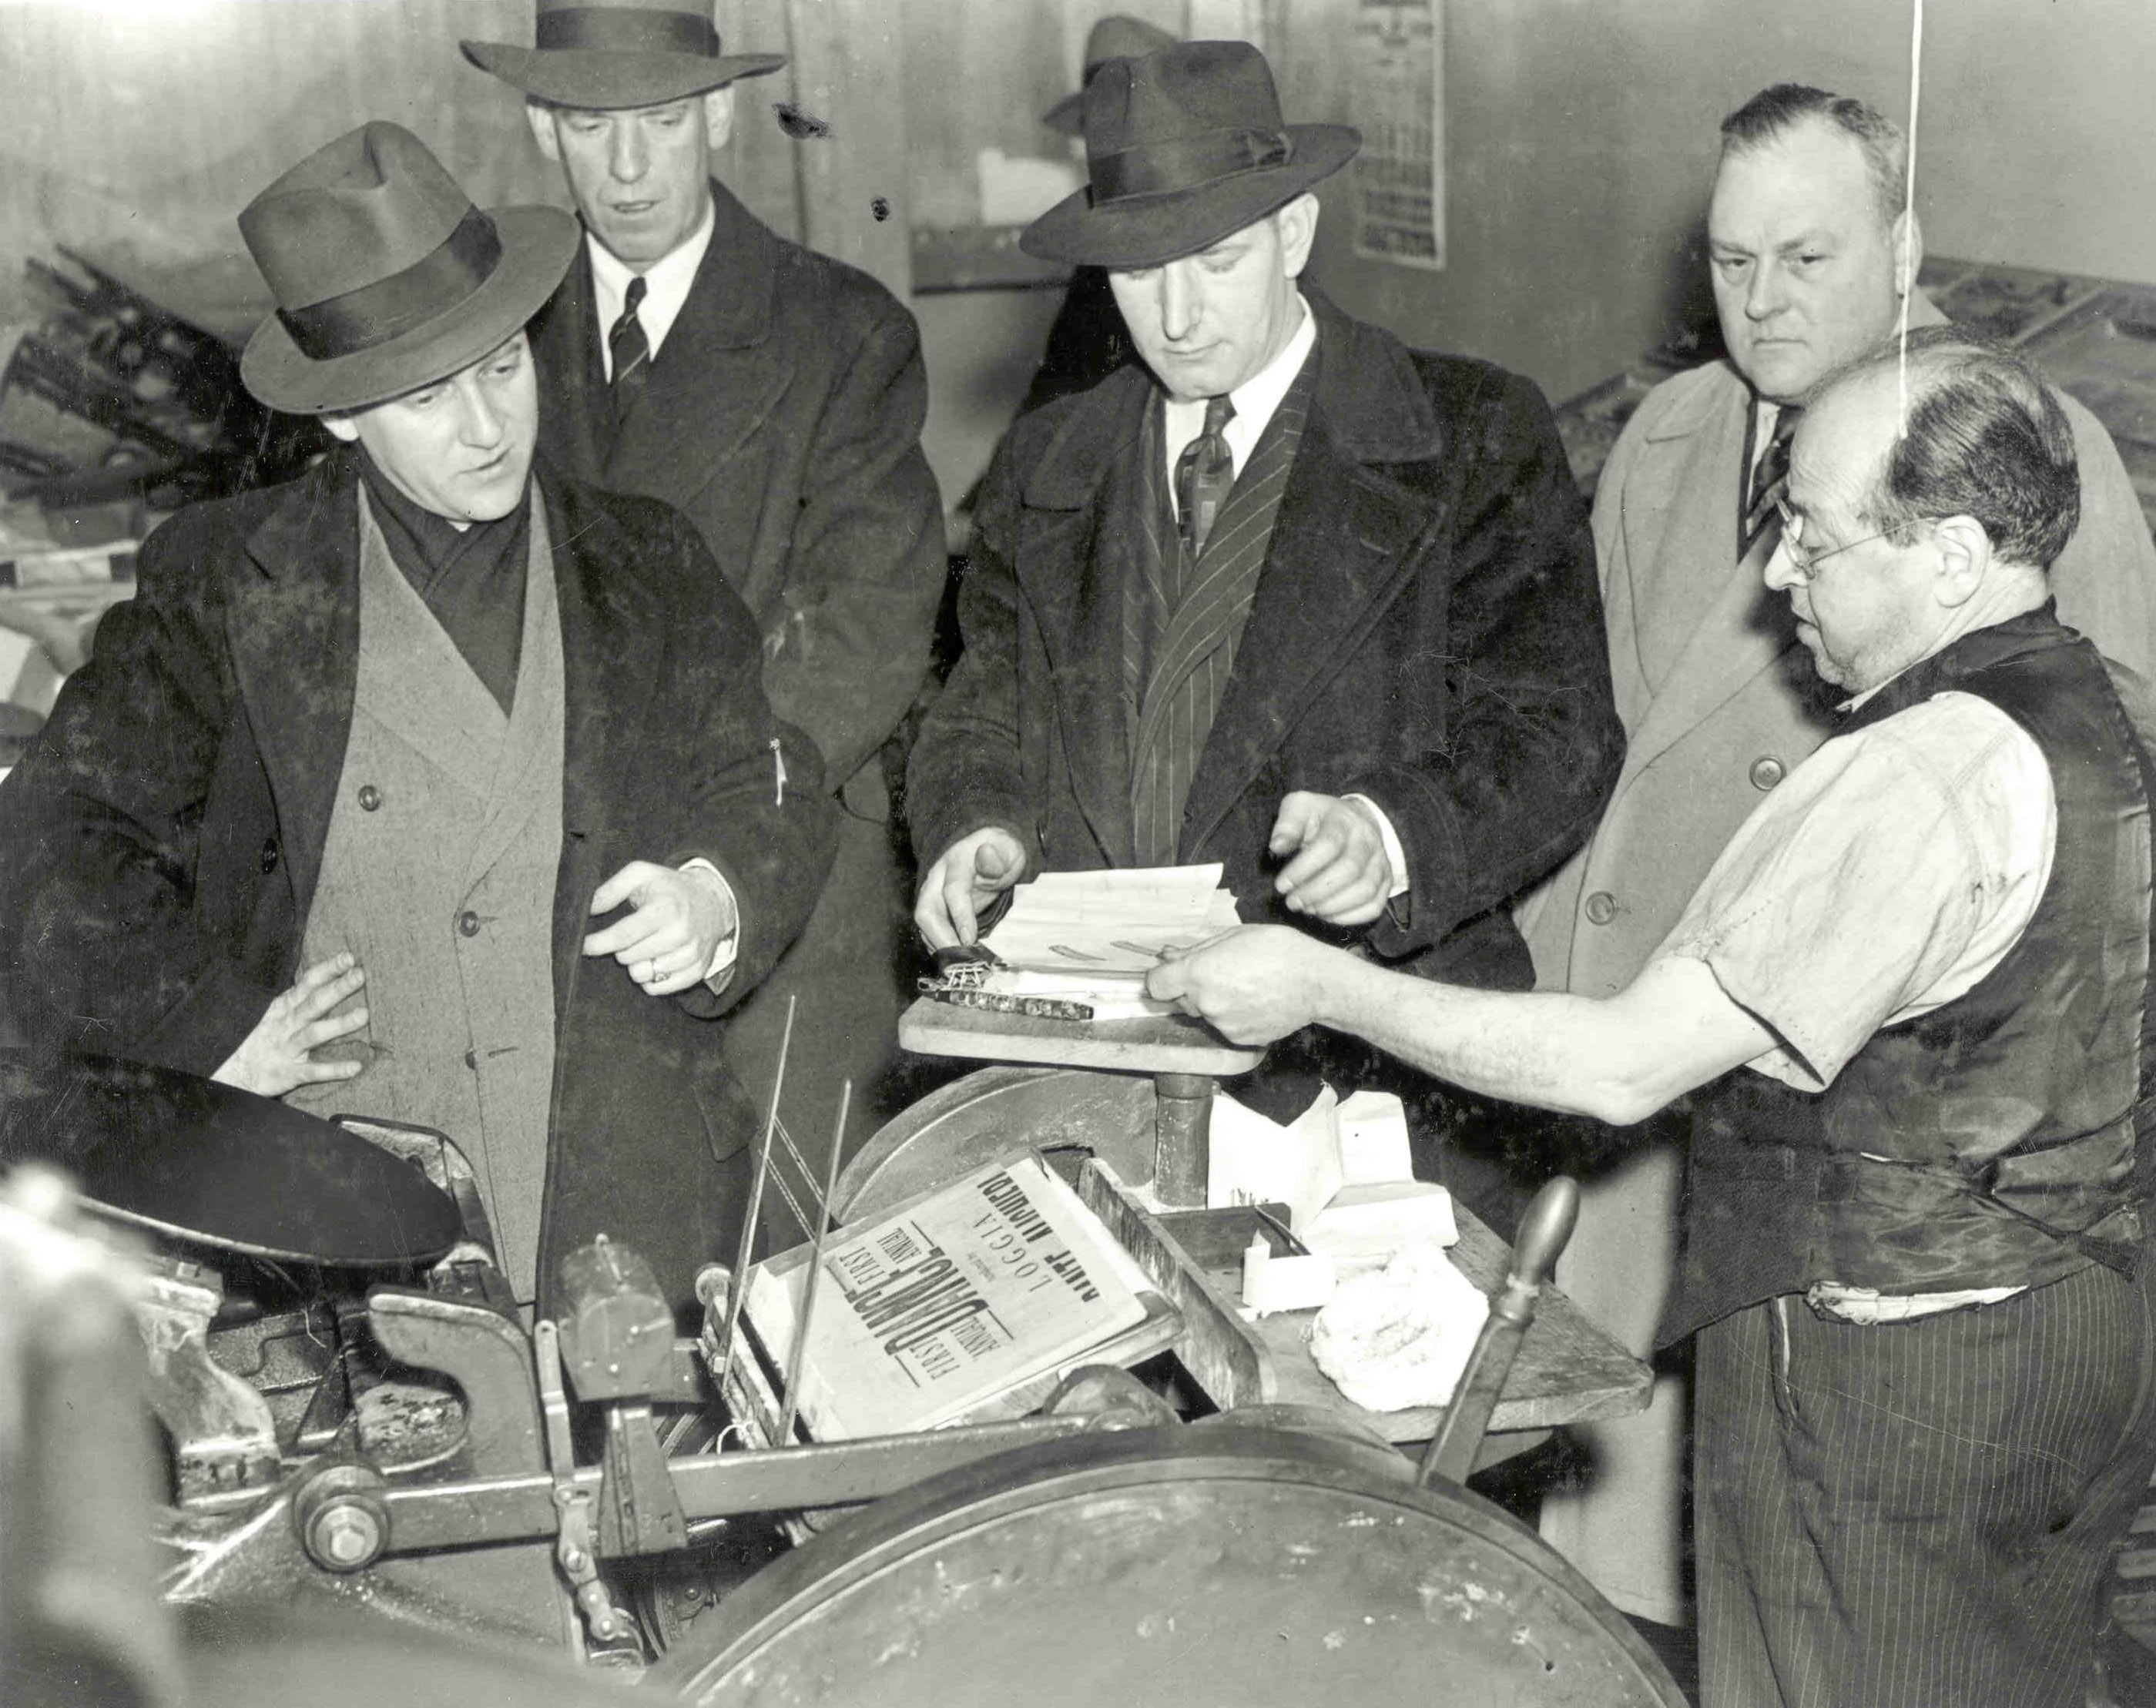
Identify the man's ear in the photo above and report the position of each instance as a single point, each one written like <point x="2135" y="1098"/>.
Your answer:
<point x="541" y="118"/>
<point x="1297" y="224"/>
<point x="1905" y="278"/>
<point x="719" y="116"/>
<point x="1964" y="551"/>
<point x="342" y="427"/>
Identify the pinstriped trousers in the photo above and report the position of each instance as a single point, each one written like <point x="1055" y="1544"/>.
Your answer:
<point x="1918" y="1514"/>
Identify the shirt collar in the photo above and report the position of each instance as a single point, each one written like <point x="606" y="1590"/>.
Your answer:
<point x="1255" y="399"/>
<point x="666" y="283"/>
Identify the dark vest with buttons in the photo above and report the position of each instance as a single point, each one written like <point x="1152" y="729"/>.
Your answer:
<point x="438" y="872"/>
<point x="2006" y="1137"/>
<point x="1183" y="618"/>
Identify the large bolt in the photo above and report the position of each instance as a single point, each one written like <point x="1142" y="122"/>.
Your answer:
<point x="344" y="1535"/>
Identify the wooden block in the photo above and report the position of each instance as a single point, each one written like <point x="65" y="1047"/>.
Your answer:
<point x="1167" y="1044"/>
<point x="1224" y="1357"/>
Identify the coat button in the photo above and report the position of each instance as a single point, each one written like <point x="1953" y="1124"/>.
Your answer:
<point x="1601" y="908"/>
<point x="1766" y="773"/>
<point x="270" y="855"/>
<point x="370" y="799"/>
<point x="467" y="923"/>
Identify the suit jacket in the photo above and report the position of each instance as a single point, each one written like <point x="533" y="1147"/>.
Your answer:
<point x="1425" y="631"/>
<point x="1719" y="699"/>
<point x="164" y="836"/>
<point x="783" y="417"/>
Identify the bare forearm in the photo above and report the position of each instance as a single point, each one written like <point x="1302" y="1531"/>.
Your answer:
<point x="1549" y="1050"/>
<point x="1618" y="1059"/>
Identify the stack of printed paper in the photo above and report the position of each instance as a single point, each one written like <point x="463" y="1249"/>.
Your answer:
<point x="1091" y="937"/>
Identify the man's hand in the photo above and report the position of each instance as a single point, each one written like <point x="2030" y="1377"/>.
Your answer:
<point x="966" y="876"/>
<point x="1339" y="873"/>
<point x="277" y="1054"/>
<point x="1254" y="984"/>
<point x="678" y="920"/>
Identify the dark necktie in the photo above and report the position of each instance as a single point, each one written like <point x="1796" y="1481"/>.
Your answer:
<point x="630" y="351"/>
<point x="1768" y="480"/>
<point x="1204" y="474"/>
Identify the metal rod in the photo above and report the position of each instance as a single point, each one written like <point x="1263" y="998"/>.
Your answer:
<point x="800" y="1352"/>
<point x="1543" y="1231"/>
<point x="738" y="1288"/>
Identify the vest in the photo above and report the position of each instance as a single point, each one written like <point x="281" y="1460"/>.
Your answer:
<point x="2002" y="1139"/>
<point x="1183" y="619"/>
<point x="439" y="872"/>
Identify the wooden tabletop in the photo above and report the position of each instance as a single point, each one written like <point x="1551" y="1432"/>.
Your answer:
<point x="1568" y="1370"/>
<point x="1167" y="1043"/>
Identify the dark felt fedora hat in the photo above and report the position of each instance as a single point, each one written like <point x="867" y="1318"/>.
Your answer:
<point x="385" y="277"/>
<point x="1183" y="146"/>
<point x="1118" y="36"/>
<point x="601" y="54"/>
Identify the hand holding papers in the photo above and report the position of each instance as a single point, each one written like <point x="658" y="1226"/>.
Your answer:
<point x="1078" y="945"/>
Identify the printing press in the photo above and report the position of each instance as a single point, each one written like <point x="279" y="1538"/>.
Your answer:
<point x="360" y="1435"/>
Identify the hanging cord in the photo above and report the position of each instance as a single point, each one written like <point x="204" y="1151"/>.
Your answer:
<point x="1909" y="207"/>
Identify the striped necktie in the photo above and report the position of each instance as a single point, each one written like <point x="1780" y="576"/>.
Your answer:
<point x="1204" y="475"/>
<point x="1769" y="479"/>
<point x="631" y="352"/>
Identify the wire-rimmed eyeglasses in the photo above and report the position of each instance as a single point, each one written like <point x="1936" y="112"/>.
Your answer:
<point x="1805" y="562"/>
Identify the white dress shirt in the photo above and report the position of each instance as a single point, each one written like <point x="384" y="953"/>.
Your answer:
<point x="1255" y="401"/>
<point x="666" y="283"/>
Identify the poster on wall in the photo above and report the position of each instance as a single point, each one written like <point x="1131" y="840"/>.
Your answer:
<point x="1396" y="61"/>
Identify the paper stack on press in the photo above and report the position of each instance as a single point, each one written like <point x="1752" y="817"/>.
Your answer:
<point x="1395" y="1320"/>
<point x="1091" y="937"/>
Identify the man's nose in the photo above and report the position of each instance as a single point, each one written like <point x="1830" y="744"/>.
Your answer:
<point x="479" y="421"/>
<point x="1781" y="571"/>
<point x="627" y="157"/>
<point x="1179" y="301"/>
<point x="1767" y="294"/>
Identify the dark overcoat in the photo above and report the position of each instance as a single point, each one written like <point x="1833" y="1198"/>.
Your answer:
<point x="1426" y="631"/>
<point x="163" y="839"/>
<point x="783" y="417"/>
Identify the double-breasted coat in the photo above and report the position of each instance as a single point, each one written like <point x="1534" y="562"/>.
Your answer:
<point x="783" y="417"/>
<point x="164" y="836"/>
<point x="1425" y="631"/>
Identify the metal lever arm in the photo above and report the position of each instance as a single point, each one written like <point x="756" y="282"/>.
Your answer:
<point x="1543" y="1232"/>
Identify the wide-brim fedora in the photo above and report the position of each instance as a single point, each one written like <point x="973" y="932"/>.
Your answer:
<point x="385" y="275"/>
<point x="1118" y="36"/>
<point x="1183" y="146"/>
<point x="606" y="53"/>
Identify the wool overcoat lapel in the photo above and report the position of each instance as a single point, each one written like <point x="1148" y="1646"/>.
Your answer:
<point x="607" y="617"/>
<point x="294" y="642"/>
<point x="576" y="412"/>
<point x="1083" y="539"/>
<point x="1343" y="544"/>
<point x="1702" y="593"/>
<point x="716" y="376"/>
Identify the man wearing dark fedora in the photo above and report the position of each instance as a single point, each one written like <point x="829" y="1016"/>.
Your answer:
<point x="492" y="747"/>
<point x="776" y="398"/>
<point x="1289" y="596"/>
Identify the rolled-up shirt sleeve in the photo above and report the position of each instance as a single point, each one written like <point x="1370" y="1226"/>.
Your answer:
<point x="1888" y="873"/>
